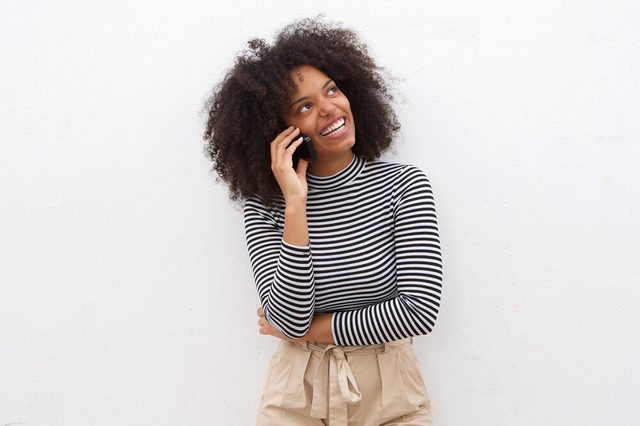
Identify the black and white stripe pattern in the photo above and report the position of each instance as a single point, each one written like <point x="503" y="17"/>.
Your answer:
<point x="373" y="259"/>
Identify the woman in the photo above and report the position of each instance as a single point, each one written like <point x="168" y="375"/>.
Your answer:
<point x="344" y="249"/>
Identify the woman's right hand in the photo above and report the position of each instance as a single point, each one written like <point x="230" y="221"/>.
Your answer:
<point x="293" y="183"/>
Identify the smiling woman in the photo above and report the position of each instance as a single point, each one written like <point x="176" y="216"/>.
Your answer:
<point x="322" y="111"/>
<point x="245" y="110"/>
<point x="345" y="248"/>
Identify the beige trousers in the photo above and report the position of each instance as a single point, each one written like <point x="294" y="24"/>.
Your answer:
<point x="316" y="384"/>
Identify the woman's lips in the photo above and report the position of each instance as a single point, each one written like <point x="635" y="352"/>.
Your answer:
<point x="335" y="124"/>
<point x="339" y="133"/>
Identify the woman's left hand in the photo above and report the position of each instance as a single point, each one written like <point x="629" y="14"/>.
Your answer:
<point x="269" y="330"/>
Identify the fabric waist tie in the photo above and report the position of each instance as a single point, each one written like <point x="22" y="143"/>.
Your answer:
<point x="334" y="386"/>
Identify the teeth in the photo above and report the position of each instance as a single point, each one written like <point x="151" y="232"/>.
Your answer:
<point x="334" y="126"/>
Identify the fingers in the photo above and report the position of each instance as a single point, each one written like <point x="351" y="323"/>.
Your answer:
<point x="262" y="321"/>
<point x="283" y="147"/>
<point x="282" y="141"/>
<point x="293" y="145"/>
<point x="265" y="327"/>
<point x="292" y="184"/>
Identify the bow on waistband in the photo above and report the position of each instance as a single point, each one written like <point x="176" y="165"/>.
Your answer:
<point x="333" y="386"/>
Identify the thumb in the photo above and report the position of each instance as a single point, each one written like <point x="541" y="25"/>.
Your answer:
<point x="302" y="167"/>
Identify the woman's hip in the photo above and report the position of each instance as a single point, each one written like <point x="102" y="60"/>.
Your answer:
<point x="371" y="384"/>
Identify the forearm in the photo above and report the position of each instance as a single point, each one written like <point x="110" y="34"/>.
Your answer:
<point x="403" y="316"/>
<point x="320" y="330"/>
<point x="292" y="322"/>
<point x="296" y="231"/>
<point x="290" y="294"/>
<point x="283" y="271"/>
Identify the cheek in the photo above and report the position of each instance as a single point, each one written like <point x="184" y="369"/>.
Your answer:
<point x="345" y="104"/>
<point x="307" y="123"/>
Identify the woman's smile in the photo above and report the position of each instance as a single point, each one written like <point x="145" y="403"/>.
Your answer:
<point x="322" y="111"/>
<point x="335" y="128"/>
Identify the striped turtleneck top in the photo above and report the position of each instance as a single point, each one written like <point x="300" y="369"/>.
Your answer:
<point x="373" y="257"/>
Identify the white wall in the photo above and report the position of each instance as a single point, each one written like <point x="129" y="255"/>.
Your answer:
<point x="126" y="294"/>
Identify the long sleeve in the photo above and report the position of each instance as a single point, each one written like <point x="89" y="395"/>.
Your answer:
<point x="283" y="272"/>
<point x="414" y="309"/>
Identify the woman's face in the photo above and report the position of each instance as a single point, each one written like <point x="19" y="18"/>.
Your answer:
<point x="321" y="111"/>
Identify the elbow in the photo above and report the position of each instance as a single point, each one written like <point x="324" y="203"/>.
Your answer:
<point x="294" y="332"/>
<point x="290" y="327"/>
<point x="425" y="321"/>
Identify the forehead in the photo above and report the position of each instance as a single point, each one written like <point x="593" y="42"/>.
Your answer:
<point x="307" y="77"/>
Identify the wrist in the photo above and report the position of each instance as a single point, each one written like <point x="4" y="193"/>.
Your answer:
<point x="295" y="205"/>
<point x="295" y="223"/>
<point x="320" y="330"/>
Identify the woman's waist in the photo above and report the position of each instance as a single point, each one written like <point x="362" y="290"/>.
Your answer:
<point x="355" y="349"/>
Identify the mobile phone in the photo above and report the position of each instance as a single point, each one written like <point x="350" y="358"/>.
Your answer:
<point x="305" y="150"/>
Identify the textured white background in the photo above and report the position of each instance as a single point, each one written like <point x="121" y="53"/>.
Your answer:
<point x="126" y="296"/>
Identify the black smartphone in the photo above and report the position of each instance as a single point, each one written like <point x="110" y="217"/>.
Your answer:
<point x="304" y="150"/>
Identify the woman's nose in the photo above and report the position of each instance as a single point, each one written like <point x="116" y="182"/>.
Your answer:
<point x="327" y="108"/>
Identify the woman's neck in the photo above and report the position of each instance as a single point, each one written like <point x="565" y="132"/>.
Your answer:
<point x="329" y="167"/>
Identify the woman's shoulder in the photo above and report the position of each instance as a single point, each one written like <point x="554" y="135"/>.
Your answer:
<point x="390" y="169"/>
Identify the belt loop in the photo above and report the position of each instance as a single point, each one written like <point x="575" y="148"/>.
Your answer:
<point x="384" y="347"/>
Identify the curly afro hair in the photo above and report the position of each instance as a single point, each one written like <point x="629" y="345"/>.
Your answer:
<point x="244" y="109"/>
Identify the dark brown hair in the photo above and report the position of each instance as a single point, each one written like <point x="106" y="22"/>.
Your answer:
<point x="244" y="109"/>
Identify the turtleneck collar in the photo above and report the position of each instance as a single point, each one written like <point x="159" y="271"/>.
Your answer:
<point x="344" y="176"/>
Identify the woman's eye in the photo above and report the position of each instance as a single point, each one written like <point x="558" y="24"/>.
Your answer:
<point x="333" y="90"/>
<point x="302" y="108"/>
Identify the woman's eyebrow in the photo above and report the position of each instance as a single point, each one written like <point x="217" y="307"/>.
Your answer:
<point x="305" y="97"/>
